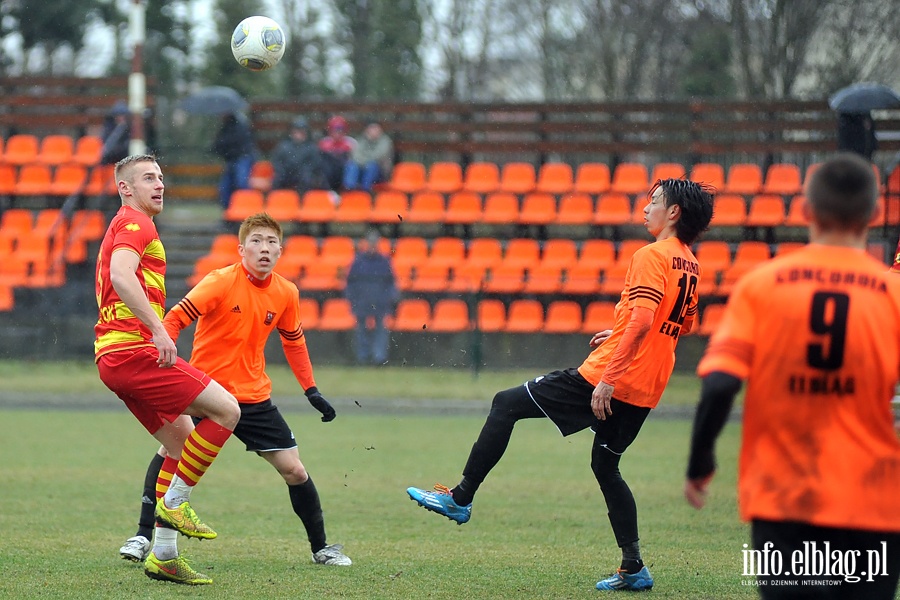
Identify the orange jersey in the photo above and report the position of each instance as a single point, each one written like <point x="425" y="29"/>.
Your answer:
<point x="816" y="333"/>
<point x="118" y="328"/>
<point x="895" y="268"/>
<point x="662" y="277"/>
<point x="234" y="319"/>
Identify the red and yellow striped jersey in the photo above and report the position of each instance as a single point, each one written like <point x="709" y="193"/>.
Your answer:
<point x="895" y="268"/>
<point x="118" y="328"/>
<point x="816" y="334"/>
<point x="663" y="277"/>
<point x="235" y="314"/>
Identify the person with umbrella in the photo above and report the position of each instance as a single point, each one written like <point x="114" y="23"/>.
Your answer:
<point x="854" y="105"/>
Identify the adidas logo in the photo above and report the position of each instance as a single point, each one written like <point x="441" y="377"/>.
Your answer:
<point x="236" y="309"/>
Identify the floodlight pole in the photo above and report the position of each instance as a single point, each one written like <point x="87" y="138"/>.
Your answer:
<point x="137" y="86"/>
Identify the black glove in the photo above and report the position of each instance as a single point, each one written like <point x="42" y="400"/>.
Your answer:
<point x="319" y="402"/>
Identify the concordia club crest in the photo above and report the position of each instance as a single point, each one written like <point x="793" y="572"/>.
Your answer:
<point x="270" y="316"/>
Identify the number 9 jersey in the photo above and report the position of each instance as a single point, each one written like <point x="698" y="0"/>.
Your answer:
<point x="816" y="334"/>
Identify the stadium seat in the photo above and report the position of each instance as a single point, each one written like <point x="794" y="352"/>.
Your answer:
<point x="591" y="178"/>
<point x="665" y="171"/>
<point x="283" y="205"/>
<point x="729" y="210"/>
<point x="714" y="257"/>
<point x="33" y="250"/>
<point x="505" y="278"/>
<point x="262" y="173"/>
<point x="743" y="179"/>
<point x="581" y="278"/>
<point x="524" y="316"/>
<point x="485" y="252"/>
<point x="626" y="250"/>
<point x="355" y="207"/>
<point x="766" y="210"/>
<point x="500" y="208"/>
<point x="794" y="217"/>
<point x="14" y="273"/>
<point x="481" y="178"/>
<point x="630" y="178"/>
<point x="614" y="279"/>
<point x="491" y="316"/>
<point x="336" y="315"/>
<point x="33" y="180"/>
<point x="50" y="222"/>
<point x="543" y="279"/>
<point x="517" y="178"/>
<point x="426" y="207"/>
<point x="430" y="278"/>
<point x="21" y="149"/>
<point x="309" y="314"/>
<point x="538" y="208"/>
<point x="554" y="178"/>
<point x="467" y="277"/>
<point x="408" y="177"/>
<point x="575" y="209"/>
<point x="337" y="250"/>
<point x="613" y="208"/>
<point x="710" y="319"/>
<point x="319" y="276"/>
<point x="389" y="207"/>
<point x="563" y="316"/>
<point x="712" y="174"/>
<point x="449" y="251"/>
<point x="450" y="315"/>
<point x="316" y="206"/>
<point x="102" y="182"/>
<point x="747" y="256"/>
<point x="413" y="314"/>
<point x="7" y="298"/>
<point x="20" y="221"/>
<point x="598" y="316"/>
<point x="444" y="177"/>
<point x="559" y="252"/>
<point x="522" y="252"/>
<point x="782" y="179"/>
<point x="597" y="252"/>
<point x="87" y="225"/>
<point x="68" y="179"/>
<point x="409" y="251"/>
<point x="463" y="208"/>
<point x="56" y="150"/>
<point x="88" y="150"/>
<point x="299" y="251"/>
<point x="7" y="179"/>
<point x="244" y="203"/>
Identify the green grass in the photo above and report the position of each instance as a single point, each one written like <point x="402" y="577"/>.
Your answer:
<point x="71" y="483"/>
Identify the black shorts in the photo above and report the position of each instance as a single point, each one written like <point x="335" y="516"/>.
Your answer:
<point x="565" y="397"/>
<point x="263" y="429"/>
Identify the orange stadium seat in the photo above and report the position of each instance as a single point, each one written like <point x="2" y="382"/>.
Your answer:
<point x="505" y="278"/>
<point x="601" y="253"/>
<point x="559" y="252"/>
<point x="409" y="251"/>
<point x="714" y="257"/>
<point x="33" y="180"/>
<point x="543" y="279"/>
<point x="408" y="177"/>
<point x="316" y="206"/>
<point x="626" y="250"/>
<point x="450" y="315"/>
<point x="538" y="208"/>
<point x="50" y="222"/>
<point x="782" y="179"/>
<point x="101" y="181"/>
<point x="598" y="316"/>
<point x="88" y="150"/>
<point x="581" y="278"/>
<point x="747" y="255"/>
<point x="21" y="149"/>
<point x="389" y="207"/>
<point x="430" y="277"/>
<point x="309" y="314"/>
<point x="337" y="250"/>
<point x="485" y="252"/>
<point x="321" y="277"/>
<point x="524" y="316"/>
<point x="729" y="210"/>
<point x="665" y="171"/>
<point x="744" y="179"/>
<point x="299" y="251"/>
<point x="445" y="177"/>
<point x="614" y="279"/>
<point x="563" y="316"/>
<point x="522" y="252"/>
<point x="794" y="217"/>
<point x="613" y="208"/>
<point x="500" y="208"/>
<point x="591" y="178"/>
<point x="517" y="177"/>
<point x="87" y="225"/>
<point x="244" y="203"/>
<point x="7" y="179"/>
<point x="575" y="209"/>
<point x="710" y="319"/>
<point x="413" y="314"/>
<point x="491" y="316"/>
<point x="426" y="207"/>
<point x="20" y="221"/>
<point x="766" y="210"/>
<point x="14" y="273"/>
<point x="712" y="174"/>
<point x="554" y="178"/>
<point x="262" y="173"/>
<point x="482" y="178"/>
<point x="448" y="251"/>
<point x="630" y="178"/>
<point x="56" y="150"/>
<point x="355" y="207"/>
<point x="463" y="208"/>
<point x="283" y="205"/>
<point x="68" y="179"/>
<point x="336" y="315"/>
<point x="467" y="277"/>
<point x="7" y="298"/>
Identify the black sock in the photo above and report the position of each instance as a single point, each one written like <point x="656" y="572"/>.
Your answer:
<point x="147" y="521"/>
<point x="464" y="492"/>
<point x="631" y="558"/>
<point x="305" y="502"/>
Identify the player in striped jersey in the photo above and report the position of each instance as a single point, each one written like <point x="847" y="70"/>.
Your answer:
<point x="620" y="381"/>
<point x="137" y="360"/>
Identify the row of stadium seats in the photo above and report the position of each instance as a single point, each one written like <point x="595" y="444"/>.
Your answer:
<point x="452" y="315"/>
<point x="22" y="149"/>
<point x="38" y="179"/>
<point x="502" y="208"/>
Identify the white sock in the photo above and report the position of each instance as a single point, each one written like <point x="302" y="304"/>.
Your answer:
<point x="165" y="543"/>
<point x="178" y="492"/>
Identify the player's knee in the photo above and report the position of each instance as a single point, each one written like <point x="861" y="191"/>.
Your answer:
<point x="504" y="405"/>
<point x="230" y="412"/>
<point x="605" y="465"/>
<point x="294" y="474"/>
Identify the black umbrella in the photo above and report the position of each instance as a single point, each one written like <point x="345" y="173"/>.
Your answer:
<point x="863" y="97"/>
<point x="214" y="100"/>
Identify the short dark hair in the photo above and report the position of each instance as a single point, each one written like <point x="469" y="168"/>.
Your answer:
<point x="843" y="193"/>
<point x="124" y="166"/>
<point x="696" y="203"/>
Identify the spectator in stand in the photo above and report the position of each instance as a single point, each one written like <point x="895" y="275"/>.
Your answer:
<point x="371" y="160"/>
<point x="372" y="292"/>
<point x="234" y="144"/>
<point x="116" y="134"/>
<point x="856" y="133"/>
<point x="336" y="148"/>
<point x="297" y="162"/>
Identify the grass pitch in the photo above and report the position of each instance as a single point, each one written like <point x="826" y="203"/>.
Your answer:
<point x="72" y="481"/>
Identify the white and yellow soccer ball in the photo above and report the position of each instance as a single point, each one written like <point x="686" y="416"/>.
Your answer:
<point x="258" y="43"/>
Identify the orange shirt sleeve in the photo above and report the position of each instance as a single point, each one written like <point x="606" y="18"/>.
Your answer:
<point x="293" y="341"/>
<point x="203" y="298"/>
<point x="730" y="349"/>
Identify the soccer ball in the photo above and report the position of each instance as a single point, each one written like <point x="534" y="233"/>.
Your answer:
<point x="257" y="43"/>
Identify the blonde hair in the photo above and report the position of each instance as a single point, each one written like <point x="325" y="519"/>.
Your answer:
<point x="259" y="220"/>
<point x="124" y="166"/>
